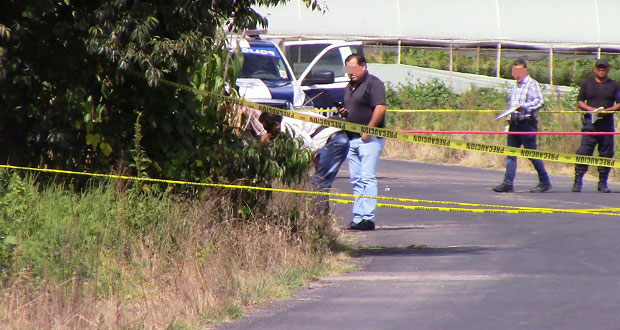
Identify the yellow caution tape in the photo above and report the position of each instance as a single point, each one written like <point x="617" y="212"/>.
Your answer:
<point x="482" y="111"/>
<point x="470" y="111"/>
<point x="468" y="210"/>
<point x="498" y="208"/>
<point x="123" y="177"/>
<point x="416" y="138"/>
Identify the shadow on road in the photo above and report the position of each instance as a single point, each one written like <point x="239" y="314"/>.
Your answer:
<point x="422" y="250"/>
<point x="385" y="228"/>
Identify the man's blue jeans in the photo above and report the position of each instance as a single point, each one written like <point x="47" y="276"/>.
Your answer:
<point x="327" y="163"/>
<point x="363" y="160"/>
<point x="528" y="142"/>
<point x="328" y="160"/>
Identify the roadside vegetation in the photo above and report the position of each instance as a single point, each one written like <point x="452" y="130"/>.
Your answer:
<point x="82" y="89"/>
<point x="108" y="258"/>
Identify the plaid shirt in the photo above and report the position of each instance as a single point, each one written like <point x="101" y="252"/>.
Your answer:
<point x="528" y="95"/>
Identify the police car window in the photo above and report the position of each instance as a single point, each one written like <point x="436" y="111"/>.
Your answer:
<point x="300" y="56"/>
<point x="330" y="61"/>
<point x="263" y="63"/>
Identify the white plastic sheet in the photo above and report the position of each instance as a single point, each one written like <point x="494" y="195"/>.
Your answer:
<point x="568" y="24"/>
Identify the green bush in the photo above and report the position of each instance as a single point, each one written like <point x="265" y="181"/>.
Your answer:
<point x="15" y="199"/>
<point x="50" y="230"/>
<point x="431" y="95"/>
<point x="78" y="111"/>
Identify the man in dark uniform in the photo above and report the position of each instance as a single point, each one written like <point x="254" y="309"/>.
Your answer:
<point x="364" y="103"/>
<point x="597" y="94"/>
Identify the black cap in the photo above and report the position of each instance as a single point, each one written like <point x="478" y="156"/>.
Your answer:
<point x="602" y="62"/>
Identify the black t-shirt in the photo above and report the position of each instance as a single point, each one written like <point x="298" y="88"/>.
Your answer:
<point x="597" y="94"/>
<point x="362" y="101"/>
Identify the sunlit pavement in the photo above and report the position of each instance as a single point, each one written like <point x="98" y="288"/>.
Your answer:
<point x="455" y="270"/>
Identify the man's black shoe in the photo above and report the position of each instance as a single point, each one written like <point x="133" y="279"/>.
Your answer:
<point x="541" y="188"/>
<point x="369" y="225"/>
<point x="354" y="226"/>
<point x="602" y="187"/>
<point x="578" y="183"/>
<point x="503" y="188"/>
<point x="362" y="225"/>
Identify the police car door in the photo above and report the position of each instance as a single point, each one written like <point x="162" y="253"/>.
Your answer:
<point x="316" y="80"/>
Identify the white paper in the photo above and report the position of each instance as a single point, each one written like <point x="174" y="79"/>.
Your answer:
<point x="507" y="112"/>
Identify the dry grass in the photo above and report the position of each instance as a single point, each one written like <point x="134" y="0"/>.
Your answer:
<point x="218" y="268"/>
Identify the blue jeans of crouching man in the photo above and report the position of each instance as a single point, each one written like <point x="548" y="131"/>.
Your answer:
<point x="528" y="142"/>
<point x="363" y="160"/>
<point x="327" y="163"/>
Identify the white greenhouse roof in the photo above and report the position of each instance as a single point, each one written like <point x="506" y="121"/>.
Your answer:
<point x="569" y="24"/>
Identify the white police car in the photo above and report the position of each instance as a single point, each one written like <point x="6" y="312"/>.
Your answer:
<point x="268" y="78"/>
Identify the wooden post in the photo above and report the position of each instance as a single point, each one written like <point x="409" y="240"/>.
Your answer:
<point x="551" y="65"/>
<point x="574" y="65"/>
<point x="451" y="63"/>
<point x="478" y="60"/>
<point x="498" y="60"/>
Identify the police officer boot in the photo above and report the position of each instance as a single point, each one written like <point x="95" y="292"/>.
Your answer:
<point x="602" y="183"/>
<point x="578" y="183"/>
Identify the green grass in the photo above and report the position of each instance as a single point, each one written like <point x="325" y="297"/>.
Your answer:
<point x="121" y="259"/>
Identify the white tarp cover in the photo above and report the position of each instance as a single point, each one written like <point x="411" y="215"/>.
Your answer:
<point x="535" y="23"/>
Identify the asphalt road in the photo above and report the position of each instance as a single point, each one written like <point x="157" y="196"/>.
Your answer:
<point x="475" y="271"/>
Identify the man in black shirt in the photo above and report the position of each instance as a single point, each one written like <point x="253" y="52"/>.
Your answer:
<point x="597" y="94"/>
<point x="365" y="104"/>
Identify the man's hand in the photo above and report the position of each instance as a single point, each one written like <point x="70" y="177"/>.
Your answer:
<point x="366" y="137"/>
<point x="507" y="119"/>
<point x="600" y="111"/>
<point x="344" y="112"/>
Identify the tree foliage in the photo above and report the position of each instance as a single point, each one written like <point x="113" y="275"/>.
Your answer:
<point x="75" y="75"/>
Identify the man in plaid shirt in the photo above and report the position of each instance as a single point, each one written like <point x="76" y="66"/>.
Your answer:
<point x="527" y="97"/>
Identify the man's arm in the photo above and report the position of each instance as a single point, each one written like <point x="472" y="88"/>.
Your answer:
<point x="375" y="120"/>
<point x="581" y="99"/>
<point x="583" y="106"/>
<point x="536" y="98"/>
<point x="616" y="106"/>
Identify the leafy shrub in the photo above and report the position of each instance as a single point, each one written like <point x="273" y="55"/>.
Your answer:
<point x="15" y="199"/>
<point x="431" y="95"/>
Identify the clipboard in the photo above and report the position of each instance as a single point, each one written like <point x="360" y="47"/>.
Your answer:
<point x="507" y="112"/>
